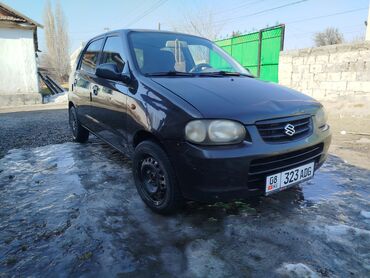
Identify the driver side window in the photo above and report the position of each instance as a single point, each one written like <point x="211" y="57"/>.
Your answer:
<point x="113" y="52"/>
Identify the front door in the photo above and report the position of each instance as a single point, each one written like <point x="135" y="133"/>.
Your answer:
<point x="109" y="98"/>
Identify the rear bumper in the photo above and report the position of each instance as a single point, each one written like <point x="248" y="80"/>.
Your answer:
<point x="226" y="173"/>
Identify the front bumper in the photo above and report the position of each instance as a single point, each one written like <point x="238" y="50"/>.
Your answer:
<point x="224" y="173"/>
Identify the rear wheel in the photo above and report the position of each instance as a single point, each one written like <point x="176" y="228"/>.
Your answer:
<point x="79" y="133"/>
<point x="155" y="178"/>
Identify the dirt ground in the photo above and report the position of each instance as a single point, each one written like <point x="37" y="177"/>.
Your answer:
<point x="349" y="118"/>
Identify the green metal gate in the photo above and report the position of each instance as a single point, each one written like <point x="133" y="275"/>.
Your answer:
<point x="258" y="51"/>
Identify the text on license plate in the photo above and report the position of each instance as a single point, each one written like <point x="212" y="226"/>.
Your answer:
<point x="282" y="180"/>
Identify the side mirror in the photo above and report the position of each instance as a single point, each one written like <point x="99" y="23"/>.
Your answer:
<point x="110" y="71"/>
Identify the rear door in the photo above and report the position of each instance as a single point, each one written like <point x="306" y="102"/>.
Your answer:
<point x="109" y="105"/>
<point x="85" y="81"/>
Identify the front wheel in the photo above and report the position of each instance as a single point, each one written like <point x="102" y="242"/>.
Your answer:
<point x="79" y="133"/>
<point x="155" y="178"/>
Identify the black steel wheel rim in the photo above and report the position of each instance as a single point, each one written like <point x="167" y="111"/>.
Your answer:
<point x="73" y="122"/>
<point x="153" y="180"/>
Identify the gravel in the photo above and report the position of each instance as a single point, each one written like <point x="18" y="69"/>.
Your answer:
<point x="33" y="129"/>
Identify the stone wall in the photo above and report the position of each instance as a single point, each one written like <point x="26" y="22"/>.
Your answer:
<point x="329" y="71"/>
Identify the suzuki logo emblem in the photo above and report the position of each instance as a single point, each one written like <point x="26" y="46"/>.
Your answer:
<point x="289" y="129"/>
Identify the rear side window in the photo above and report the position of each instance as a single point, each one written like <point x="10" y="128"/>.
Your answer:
<point x="113" y="52"/>
<point x="91" y="55"/>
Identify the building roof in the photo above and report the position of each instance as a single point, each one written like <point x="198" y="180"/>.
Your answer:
<point x="9" y="14"/>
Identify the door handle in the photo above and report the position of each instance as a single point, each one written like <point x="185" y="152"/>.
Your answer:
<point x="95" y="90"/>
<point x="75" y="82"/>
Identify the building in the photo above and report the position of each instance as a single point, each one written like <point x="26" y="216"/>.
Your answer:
<point x="368" y="25"/>
<point x="19" y="83"/>
<point x="75" y="54"/>
<point x="73" y="60"/>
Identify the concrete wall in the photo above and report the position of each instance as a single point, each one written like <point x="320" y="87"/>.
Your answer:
<point x="328" y="71"/>
<point x="18" y="71"/>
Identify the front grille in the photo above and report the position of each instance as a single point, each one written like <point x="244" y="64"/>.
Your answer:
<point x="274" y="130"/>
<point x="260" y="168"/>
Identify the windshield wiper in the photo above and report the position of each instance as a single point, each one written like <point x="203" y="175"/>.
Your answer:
<point x="192" y="74"/>
<point x="170" y="73"/>
<point x="224" y="73"/>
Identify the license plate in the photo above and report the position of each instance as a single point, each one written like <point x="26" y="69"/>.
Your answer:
<point x="281" y="181"/>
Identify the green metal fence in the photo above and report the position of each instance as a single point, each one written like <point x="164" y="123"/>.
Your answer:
<point x="258" y="51"/>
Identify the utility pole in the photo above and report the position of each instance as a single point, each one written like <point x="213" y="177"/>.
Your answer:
<point x="368" y="25"/>
<point x="159" y="26"/>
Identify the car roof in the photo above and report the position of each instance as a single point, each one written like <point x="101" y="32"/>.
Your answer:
<point x="126" y="31"/>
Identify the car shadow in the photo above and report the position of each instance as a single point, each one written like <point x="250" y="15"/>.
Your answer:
<point x="291" y="198"/>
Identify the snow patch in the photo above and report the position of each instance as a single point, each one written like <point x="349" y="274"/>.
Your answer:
<point x="59" y="98"/>
<point x="202" y="261"/>
<point x="172" y="259"/>
<point x="365" y="213"/>
<point x="342" y="230"/>
<point x="344" y="234"/>
<point x="296" y="270"/>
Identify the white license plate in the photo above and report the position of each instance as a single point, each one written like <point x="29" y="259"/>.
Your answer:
<point x="282" y="180"/>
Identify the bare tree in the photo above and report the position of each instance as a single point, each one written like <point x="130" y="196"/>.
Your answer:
<point x="200" y="23"/>
<point x="56" y="58"/>
<point x="328" y="37"/>
<point x="49" y="24"/>
<point x="236" y="33"/>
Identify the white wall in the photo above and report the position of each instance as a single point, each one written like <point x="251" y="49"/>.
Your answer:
<point x="18" y="71"/>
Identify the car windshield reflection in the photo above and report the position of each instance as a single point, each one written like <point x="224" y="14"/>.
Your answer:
<point x="161" y="54"/>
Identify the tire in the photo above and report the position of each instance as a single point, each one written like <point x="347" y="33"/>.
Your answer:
<point x="155" y="178"/>
<point x="79" y="133"/>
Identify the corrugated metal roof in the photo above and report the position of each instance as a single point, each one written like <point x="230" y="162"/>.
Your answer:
<point x="9" y="14"/>
<point x="11" y="18"/>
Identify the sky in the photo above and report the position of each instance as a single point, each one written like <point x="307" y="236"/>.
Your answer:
<point x="303" y="18"/>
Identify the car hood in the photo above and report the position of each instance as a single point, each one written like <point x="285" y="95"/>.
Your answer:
<point x="241" y="98"/>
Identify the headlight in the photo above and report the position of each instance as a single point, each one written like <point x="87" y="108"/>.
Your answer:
<point x="196" y="131"/>
<point x="321" y="118"/>
<point x="215" y="132"/>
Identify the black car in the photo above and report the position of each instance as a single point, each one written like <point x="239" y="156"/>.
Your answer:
<point x="197" y="124"/>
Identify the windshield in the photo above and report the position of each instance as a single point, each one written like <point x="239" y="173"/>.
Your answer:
<point x="164" y="53"/>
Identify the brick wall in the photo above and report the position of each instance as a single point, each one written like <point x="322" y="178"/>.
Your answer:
<point x="328" y="71"/>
